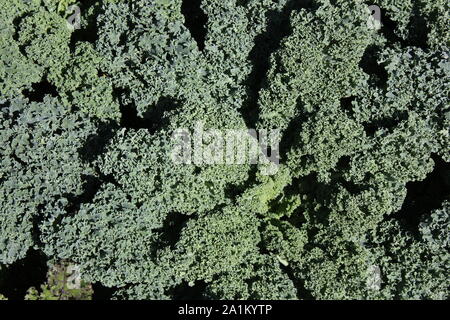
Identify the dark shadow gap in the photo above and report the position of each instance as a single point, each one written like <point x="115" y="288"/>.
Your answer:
<point x="16" y="22"/>
<point x="377" y="72"/>
<point x="91" y="186"/>
<point x="39" y="90"/>
<point x="418" y="28"/>
<point x="18" y="160"/>
<point x="388" y="124"/>
<point x="347" y="106"/>
<point x="185" y="292"/>
<point x="172" y="227"/>
<point x="425" y="196"/>
<point x="388" y="28"/>
<point x="242" y="3"/>
<point x="29" y="272"/>
<point x="343" y="163"/>
<point x="195" y="21"/>
<point x="101" y="292"/>
<point x="156" y="118"/>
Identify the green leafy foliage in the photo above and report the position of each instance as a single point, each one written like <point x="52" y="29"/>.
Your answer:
<point x="41" y="170"/>
<point x="416" y="267"/>
<point x="86" y="135"/>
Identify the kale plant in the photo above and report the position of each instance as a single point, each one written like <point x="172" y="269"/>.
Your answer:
<point x="358" y="207"/>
